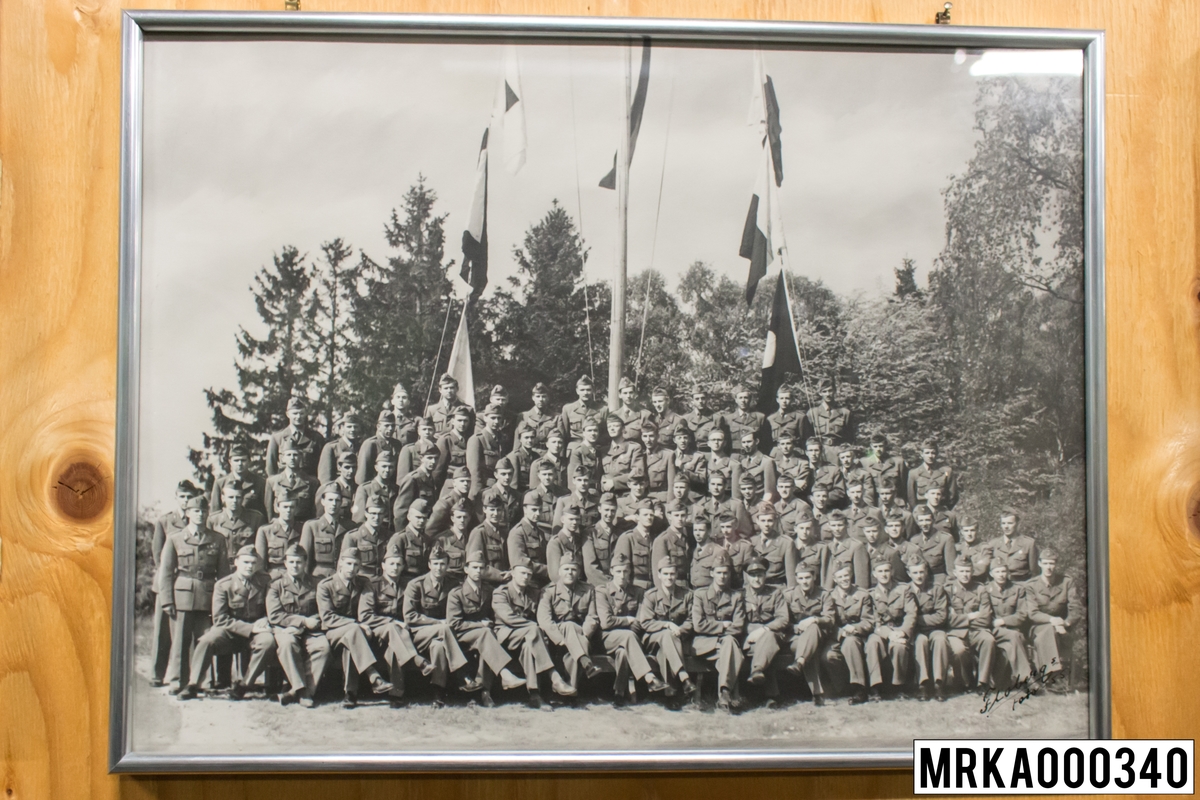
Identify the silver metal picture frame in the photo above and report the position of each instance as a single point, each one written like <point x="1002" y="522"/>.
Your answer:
<point x="140" y="28"/>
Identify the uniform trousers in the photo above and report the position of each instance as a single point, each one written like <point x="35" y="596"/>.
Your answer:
<point x="438" y="644"/>
<point x="805" y="646"/>
<point x="726" y="654"/>
<point x="483" y="643"/>
<point x="397" y="648"/>
<point x="1011" y="644"/>
<point x="162" y="643"/>
<point x="303" y="657"/>
<point x="932" y="655"/>
<point x="219" y="640"/>
<point x="972" y="652"/>
<point x="622" y="644"/>
<point x="897" y="656"/>
<point x="667" y="649"/>
<point x="529" y="643"/>
<point x="853" y="653"/>
<point x="763" y="651"/>
<point x="1045" y="648"/>
<point x="357" y="655"/>
<point x="574" y="647"/>
<point x="186" y="628"/>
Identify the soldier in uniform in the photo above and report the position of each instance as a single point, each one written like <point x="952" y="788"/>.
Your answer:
<point x="665" y="614"/>
<point x="704" y="554"/>
<point x="883" y="466"/>
<point x="719" y="621"/>
<point x="568" y="540"/>
<point x="745" y="504"/>
<point x="599" y="543"/>
<point x="552" y="465"/>
<point x="442" y="412"/>
<point x="452" y="444"/>
<point x="750" y="461"/>
<point x="1055" y="609"/>
<point x="301" y="486"/>
<point x="347" y="464"/>
<point x="844" y="549"/>
<point x="1009" y="615"/>
<point x="675" y="542"/>
<point x="767" y="620"/>
<point x="527" y="540"/>
<point x="810" y="550"/>
<point x="302" y="648"/>
<point x="930" y="650"/>
<point x="636" y="545"/>
<point x="585" y="453"/>
<point x="814" y="455"/>
<point x="789" y="505"/>
<point x="381" y="609"/>
<point x="1014" y="548"/>
<point x="969" y="545"/>
<point x="787" y="420"/>
<point x="718" y="503"/>
<point x="522" y="458"/>
<point x="880" y="550"/>
<point x="456" y="492"/>
<point x="453" y="542"/>
<point x="742" y="421"/>
<point x="821" y="509"/>
<point x="657" y="462"/>
<point x="382" y="489"/>
<point x="582" y="495"/>
<point x="702" y="420"/>
<point x="368" y="541"/>
<point x="857" y="509"/>
<point x="895" y="620"/>
<point x="660" y="415"/>
<point x="829" y="423"/>
<point x="339" y="599"/>
<point x="505" y="428"/>
<point x="791" y="464"/>
<point x="628" y="410"/>
<point x="238" y="524"/>
<point x="489" y="541"/>
<point x="777" y="550"/>
<point x="895" y="526"/>
<point x="425" y="615"/>
<point x="384" y="439"/>
<point x="811" y="613"/>
<point x="943" y="520"/>
<point x="854" y="620"/>
<point x="538" y="419"/>
<point x="890" y="503"/>
<point x="484" y="451"/>
<point x="251" y="483"/>
<point x="410" y="454"/>
<point x="621" y="458"/>
<point x="740" y="548"/>
<point x="192" y="560"/>
<point x="405" y="419"/>
<point x="969" y="634"/>
<point x="578" y="412"/>
<point x="617" y="604"/>
<point x="515" y="608"/>
<point x="627" y="504"/>
<point x="936" y="547"/>
<point x="321" y="538"/>
<point x="419" y="484"/>
<point x="469" y="615"/>
<point x="273" y="539"/>
<point x="503" y="492"/>
<point x="347" y="442"/>
<point x="931" y="472"/>
<point x="687" y="462"/>
<point x="411" y="542"/>
<point x="307" y="441"/>
<point x="719" y="460"/>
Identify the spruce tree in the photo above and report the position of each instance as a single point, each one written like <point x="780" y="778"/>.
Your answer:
<point x="328" y="319"/>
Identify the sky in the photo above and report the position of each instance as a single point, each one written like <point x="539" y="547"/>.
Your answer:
<point x="251" y="146"/>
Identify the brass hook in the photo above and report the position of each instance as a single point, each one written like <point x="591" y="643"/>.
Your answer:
<point x="940" y="18"/>
<point x="291" y="5"/>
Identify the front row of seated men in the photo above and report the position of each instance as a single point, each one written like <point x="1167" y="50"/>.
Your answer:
<point x="878" y="640"/>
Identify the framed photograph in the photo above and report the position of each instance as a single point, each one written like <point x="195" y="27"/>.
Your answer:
<point x="523" y="393"/>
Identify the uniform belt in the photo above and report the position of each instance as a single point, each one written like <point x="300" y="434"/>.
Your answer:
<point x="199" y="575"/>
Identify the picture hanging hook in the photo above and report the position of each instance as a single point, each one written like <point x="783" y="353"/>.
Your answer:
<point x="291" y="5"/>
<point x="940" y="18"/>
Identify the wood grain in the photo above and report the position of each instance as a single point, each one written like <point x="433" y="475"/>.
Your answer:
<point x="59" y="126"/>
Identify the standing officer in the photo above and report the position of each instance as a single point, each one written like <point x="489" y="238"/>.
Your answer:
<point x="767" y="620"/>
<point x="539" y="419"/>
<point x="452" y="445"/>
<point x="811" y="612"/>
<point x="567" y="616"/>
<point x="302" y="648"/>
<point x="1055" y="609"/>
<point x="384" y="439"/>
<point x="469" y="615"/>
<point x="348" y="442"/>
<point x="442" y="412"/>
<point x="742" y="421"/>
<point x="1009" y="609"/>
<point x="321" y="538"/>
<point x="484" y="450"/>
<point x="489" y="541"/>
<point x="273" y="539"/>
<point x="527" y="541"/>
<point x="239" y="623"/>
<point x="617" y="604"/>
<point x="515" y="606"/>
<point x="193" y="558"/>
<point x="660" y="415"/>
<point x="665" y="615"/>
<point x="972" y="645"/>
<point x="575" y="414"/>
<point x="829" y="423"/>
<point x="304" y="439"/>
<point x="702" y="420"/>
<point x="674" y="543"/>
<point x="787" y="419"/>
<point x="600" y="542"/>
<point x="300" y="485"/>
<point x="381" y="609"/>
<point x="251" y="483"/>
<point x="930" y="650"/>
<point x="1018" y="551"/>
<point x="339" y="598"/>
<point x="719" y="620"/>
<point x="854" y="620"/>
<point x="895" y="620"/>
<point x="628" y="409"/>
<point x="425" y="614"/>
<point x="882" y="465"/>
<point x="419" y="484"/>
<point x="637" y="545"/>
<point x="238" y="524"/>
<point x="931" y="472"/>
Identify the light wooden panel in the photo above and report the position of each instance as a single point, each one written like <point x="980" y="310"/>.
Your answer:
<point x="59" y="100"/>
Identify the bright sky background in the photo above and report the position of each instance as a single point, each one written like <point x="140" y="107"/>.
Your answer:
<point x="250" y="146"/>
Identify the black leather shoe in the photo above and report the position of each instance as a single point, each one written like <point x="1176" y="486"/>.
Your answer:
<point x="485" y="700"/>
<point x="237" y="691"/>
<point x="859" y="697"/>
<point x="349" y="701"/>
<point x="187" y="693"/>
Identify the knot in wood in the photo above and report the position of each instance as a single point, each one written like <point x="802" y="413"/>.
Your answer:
<point x="82" y="491"/>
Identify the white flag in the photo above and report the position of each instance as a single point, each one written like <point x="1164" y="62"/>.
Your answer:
<point x="460" y="362"/>
<point x="509" y="113"/>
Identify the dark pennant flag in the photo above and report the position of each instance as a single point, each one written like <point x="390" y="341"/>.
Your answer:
<point x="609" y="181"/>
<point x="474" y="242"/>
<point x="781" y="356"/>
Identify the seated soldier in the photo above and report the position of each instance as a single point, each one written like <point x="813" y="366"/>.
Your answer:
<point x="238" y="524"/>
<point x="1055" y="609"/>
<point x="381" y="489"/>
<point x="665" y="615"/>
<point x="854" y="620"/>
<point x="418" y="484"/>
<point x="895" y="619"/>
<point x="849" y="551"/>
<point x="455" y="494"/>
<point x="767" y="620"/>
<point x="718" y="622"/>
<point x="369" y="539"/>
<point x="811" y="613"/>
<point x="617" y="604"/>
<point x="239" y="624"/>
<point x="490" y="542"/>
<point x="637" y="545"/>
<point x="1014" y="548"/>
<point x="411" y="542"/>
<point x="302" y="648"/>
<point x="936" y="547"/>
<point x="381" y="609"/>
<point x="750" y="461"/>
<point x="600" y="542"/>
<point x="674" y="542"/>
<point x="425" y="615"/>
<point x="274" y="538"/>
<point x="969" y="630"/>
<point x="338" y="600"/>
<point x="527" y="542"/>
<point x="515" y="607"/>
<point x="704" y="555"/>
<point x="969" y="545"/>
<point x="469" y="614"/>
<point x="930" y="650"/>
<point x="567" y="616"/>
<point x="1009" y="614"/>
<point x="321" y="538"/>
<point x="454" y="541"/>
<point x="776" y="549"/>
<point x="810" y="550"/>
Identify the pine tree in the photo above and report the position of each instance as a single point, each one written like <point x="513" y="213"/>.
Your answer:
<point x="906" y="281"/>
<point x="328" y="317"/>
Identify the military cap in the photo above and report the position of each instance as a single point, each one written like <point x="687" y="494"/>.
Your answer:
<point x="697" y="389"/>
<point x="648" y="426"/>
<point x="1009" y="512"/>
<point x="854" y="482"/>
<point x="375" y="501"/>
<point x="612" y="417"/>
<point x="462" y="411"/>
<point x="386" y="416"/>
<point x="493" y="410"/>
<point x="739" y="389"/>
<point x="619" y="560"/>
<point x="196" y="501"/>
<point x="721" y="559"/>
<point x="421" y="505"/>
<point x="394" y="550"/>
<point x="498" y="391"/>
<point x="700" y="521"/>
<point x="625" y="384"/>
<point x="877" y="438"/>
<point x="532" y="498"/>
<point x="747" y="479"/>
<point x="460" y="472"/>
<point x="347" y="458"/>
<point x="836" y="514"/>
<point x="349" y="554"/>
<point x="682" y="427"/>
<point x="682" y="480"/>
<point x="461" y="504"/>
<point x="968" y="522"/>
<point x="584" y="380"/>
<point x="591" y="422"/>
<point x="447" y="380"/>
<point x="295" y="404"/>
<point x="295" y="550"/>
<point x="505" y="463"/>
<point x="427" y="421"/>
<point x="1049" y="554"/>
<point x="350" y="416"/>
<point x="871" y="520"/>
<point x="239" y="450"/>
<point x="804" y="514"/>
<point x="572" y="509"/>
<point x="474" y="557"/>
<point x="677" y="506"/>
<point x="581" y="471"/>
<point x="915" y="559"/>
<point x="568" y="559"/>
<point x="895" y="514"/>
<point x="840" y="565"/>
<point x="438" y="553"/>
<point x="522" y="562"/>
<point x="785" y="434"/>
<point x="332" y="486"/>
<point x="765" y="508"/>
<point x="608" y="499"/>
<point x="665" y="562"/>
<point x="385" y="455"/>
<point x="492" y="501"/>
<point x="726" y="516"/>
<point x="540" y="388"/>
<point x="785" y="478"/>
<point x="428" y="449"/>
<point x="284" y="494"/>
<point x="288" y="444"/>
<point x="963" y="561"/>
<point x="922" y="511"/>
<point x="888" y="482"/>
<point x="637" y="476"/>
<point x="826" y="383"/>
<point x="756" y="565"/>
<point x="804" y="566"/>
<point x="643" y="504"/>
<point x="247" y="550"/>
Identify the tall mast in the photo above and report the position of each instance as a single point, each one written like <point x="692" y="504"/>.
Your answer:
<point x="616" y="354"/>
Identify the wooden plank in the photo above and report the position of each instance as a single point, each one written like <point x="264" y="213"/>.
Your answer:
<point x="59" y="101"/>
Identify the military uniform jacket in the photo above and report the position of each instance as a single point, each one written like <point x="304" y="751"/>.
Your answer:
<point x="980" y="554"/>
<point x="443" y="415"/>
<point x="1021" y="555"/>
<point x="456" y="555"/>
<point x="922" y="477"/>
<point x="853" y="608"/>
<point x="540" y="424"/>
<point x="933" y="607"/>
<point x="308" y="441"/>
<point x="758" y="465"/>
<point x="854" y="552"/>
<point x="272" y="541"/>
<point x="371" y="447"/>
<point x="788" y="510"/>
<point x="637" y="548"/>
<point x="369" y="545"/>
<point x="793" y="422"/>
<point x="938" y="550"/>
<point x="891" y="467"/>
<point x="425" y="601"/>
<point x="413" y="546"/>
<point x="469" y="607"/>
<point x="301" y="486"/>
<point x="237" y="604"/>
<point x="239" y="529"/>
<point x="796" y="467"/>
<point x="832" y="477"/>
<point x="832" y="425"/>
<point x="619" y="459"/>
<point x="667" y="422"/>
<point x="509" y="500"/>
<point x="382" y="603"/>
<point x="575" y="414"/>
<point x="967" y="600"/>
<point x="616" y="606"/>
<point x="711" y="607"/>
<point x="703" y="559"/>
<point x="597" y="554"/>
<point x="1008" y="604"/>
<point x="560" y="544"/>
<point x="766" y="608"/>
<point x="290" y="601"/>
<point x="327" y="468"/>
<point x="526" y="540"/>
<point x="895" y="608"/>
<point x="659" y="607"/>
<point x="816" y="557"/>
<point x="515" y="608"/>
<point x="252" y="485"/>
<point x="439" y="517"/>
<point x="1058" y="599"/>
<point x="815" y="605"/>
<point x="407" y="461"/>
<point x="719" y="462"/>
<point x="484" y="449"/>
<point x="630" y="414"/>
<point x="780" y="553"/>
<point x="659" y="468"/>
<point x="416" y="485"/>
<point x="370" y="491"/>
<point x="678" y="546"/>
<point x="882" y="553"/>
<point x="494" y="547"/>
<point x="693" y="466"/>
<point x="901" y="550"/>
<point x="322" y="540"/>
<point x="339" y="602"/>
<point x="589" y="505"/>
<point x="452" y="454"/>
<point x="740" y="552"/>
<point x="702" y="424"/>
<point x="190" y="566"/>
<point x="561" y="603"/>
<point x="559" y="464"/>
<point x="742" y="422"/>
<point x="587" y="456"/>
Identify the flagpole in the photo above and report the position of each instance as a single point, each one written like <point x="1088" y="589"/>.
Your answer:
<point x="616" y="353"/>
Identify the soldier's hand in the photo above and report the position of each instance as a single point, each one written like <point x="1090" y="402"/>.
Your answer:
<point x="673" y="628"/>
<point x="999" y="623"/>
<point x="636" y="627"/>
<point x="169" y="610"/>
<point x="293" y="630"/>
<point x="312" y="623"/>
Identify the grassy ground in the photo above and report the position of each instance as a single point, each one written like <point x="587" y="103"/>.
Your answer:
<point x="215" y="725"/>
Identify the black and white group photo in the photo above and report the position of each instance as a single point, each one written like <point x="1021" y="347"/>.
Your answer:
<point x="608" y="397"/>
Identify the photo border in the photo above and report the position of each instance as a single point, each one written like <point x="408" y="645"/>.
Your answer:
<point x="138" y="26"/>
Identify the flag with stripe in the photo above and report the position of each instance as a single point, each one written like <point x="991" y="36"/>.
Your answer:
<point x="474" y="241"/>
<point x="510" y="112"/>
<point x="762" y="235"/>
<point x="781" y="355"/>
<point x="636" y="110"/>
<point x="764" y="115"/>
<point x="460" y="360"/>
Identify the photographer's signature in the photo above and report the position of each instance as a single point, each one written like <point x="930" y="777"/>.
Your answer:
<point x="1021" y="691"/>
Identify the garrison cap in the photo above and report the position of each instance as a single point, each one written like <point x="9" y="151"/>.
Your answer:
<point x="871" y="520"/>
<point x="619" y="560"/>
<point x="447" y="380"/>
<point x="386" y="416"/>
<point x="682" y="479"/>
<point x="505" y="463"/>
<point x="963" y="561"/>
<point x="428" y="449"/>
<point x="915" y="559"/>
<point x="295" y="550"/>
<point x="608" y="498"/>
<point x="349" y="554"/>
<point x="375" y="501"/>
<point x="804" y="566"/>
<point x="474" y="557"/>
<point x="394" y="550"/>
<point x="836" y="514"/>
<point x="747" y="479"/>
<point x="462" y="411"/>
<point x="461" y="504"/>
<point x="332" y="486"/>
<point x="540" y="388"/>
<point x="612" y="417"/>
<point x="648" y="426"/>
<point x="968" y="522"/>
<point x="573" y="510"/>
<point x="347" y="458"/>
<point x="460" y="473"/>
<point x="677" y="507"/>
<point x="532" y="498"/>
<point x="239" y="450"/>
<point x="721" y="559"/>
<point x="625" y="384"/>
<point x="644" y="504"/>
<point x="247" y="550"/>
<point x="637" y="476"/>
<point x="438" y="553"/>
<point x="493" y="410"/>
<point x="1049" y="554"/>
<point x="584" y="380"/>
<point x="284" y="494"/>
<point x="840" y="565"/>
<point x="764" y="508"/>
<point x="804" y="514"/>
<point x="427" y="421"/>
<point x="499" y="391"/>
<point x="350" y="416"/>
<point x="568" y="559"/>
<point x="492" y="501"/>
<point x="665" y="562"/>
<point x="739" y="389"/>
<point x="592" y="422"/>
<point x="196" y="501"/>
<point x="785" y="434"/>
<point x="295" y="404"/>
<point x="682" y="427"/>
<point x="756" y="565"/>
<point x="922" y="511"/>
<point x="385" y="455"/>
<point x="289" y="444"/>
<point x="581" y="471"/>
<point x="522" y="562"/>
<point x="877" y="438"/>
<point x="726" y="516"/>
<point x="421" y="505"/>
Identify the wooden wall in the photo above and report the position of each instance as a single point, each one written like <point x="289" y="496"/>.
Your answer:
<point x="59" y="127"/>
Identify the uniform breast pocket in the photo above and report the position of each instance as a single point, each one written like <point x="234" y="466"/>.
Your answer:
<point x="237" y="602"/>
<point x="275" y="553"/>
<point x="187" y="558"/>
<point x="323" y="547"/>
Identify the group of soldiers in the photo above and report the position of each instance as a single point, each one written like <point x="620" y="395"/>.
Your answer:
<point x="546" y="549"/>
